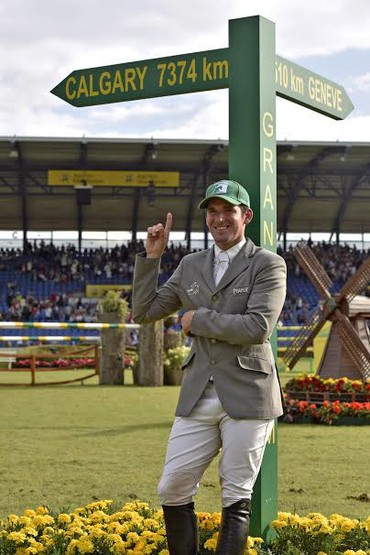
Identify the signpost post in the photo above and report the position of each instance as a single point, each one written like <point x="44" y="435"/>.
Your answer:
<point x="254" y="75"/>
<point x="252" y="162"/>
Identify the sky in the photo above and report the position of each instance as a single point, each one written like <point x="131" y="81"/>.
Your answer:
<point x="43" y="41"/>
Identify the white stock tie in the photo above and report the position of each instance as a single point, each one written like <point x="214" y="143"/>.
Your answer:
<point x="222" y="264"/>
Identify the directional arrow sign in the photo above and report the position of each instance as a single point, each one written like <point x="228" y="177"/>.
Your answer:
<point x="200" y="71"/>
<point x="304" y="87"/>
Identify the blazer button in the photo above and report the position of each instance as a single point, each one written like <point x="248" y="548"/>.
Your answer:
<point x="213" y="362"/>
<point x="213" y="340"/>
<point x="215" y="297"/>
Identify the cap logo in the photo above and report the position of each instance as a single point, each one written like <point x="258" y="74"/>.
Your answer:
<point x="221" y="188"/>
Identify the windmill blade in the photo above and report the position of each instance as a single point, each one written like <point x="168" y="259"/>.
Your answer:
<point x="314" y="270"/>
<point x="354" y="346"/>
<point x="356" y="283"/>
<point x="304" y="339"/>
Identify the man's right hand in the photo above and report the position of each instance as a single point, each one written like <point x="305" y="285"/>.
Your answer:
<point x="157" y="238"/>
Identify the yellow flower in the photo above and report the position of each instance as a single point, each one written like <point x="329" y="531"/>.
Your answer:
<point x="284" y="516"/>
<point x="17" y="537"/>
<point x="251" y="542"/>
<point x="103" y="504"/>
<point x="150" y="523"/>
<point x="306" y="523"/>
<point x="46" y="540"/>
<point x="137" y="505"/>
<point x="85" y="545"/>
<point x="79" y="510"/>
<point x="139" y="547"/>
<point x="116" y="527"/>
<point x="75" y="530"/>
<point x="63" y="518"/>
<point x="30" y="531"/>
<point x="29" y="512"/>
<point x="12" y="520"/>
<point x="97" y="531"/>
<point x="118" y="546"/>
<point x="133" y="538"/>
<point x="33" y="550"/>
<point x="346" y="524"/>
<point x="41" y="520"/>
<point x="41" y="511"/>
<point x="277" y="524"/>
<point x="72" y="547"/>
<point x="211" y="544"/>
<point x="317" y="517"/>
<point x="294" y="520"/>
<point x="366" y="525"/>
<point x="325" y="529"/>
<point x="98" y="516"/>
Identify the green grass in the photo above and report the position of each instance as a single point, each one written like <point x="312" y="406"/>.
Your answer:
<point x="67" y="446"/>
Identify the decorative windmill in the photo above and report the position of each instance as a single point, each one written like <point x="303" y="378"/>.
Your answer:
<point x="347" y="351"/>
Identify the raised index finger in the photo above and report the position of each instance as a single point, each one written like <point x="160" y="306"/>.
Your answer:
<point x="168" y="226"/>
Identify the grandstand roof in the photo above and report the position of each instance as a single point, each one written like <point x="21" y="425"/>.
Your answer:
<point x="322" y="187"/>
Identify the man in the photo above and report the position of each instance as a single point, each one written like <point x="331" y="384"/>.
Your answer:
<point x="230" y="393"/>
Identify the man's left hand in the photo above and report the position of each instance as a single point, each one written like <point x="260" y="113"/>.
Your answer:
<point x="186" y="321"/>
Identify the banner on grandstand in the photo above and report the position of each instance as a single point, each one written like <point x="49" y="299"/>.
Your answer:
<point x="112" y="178"/>
<point x="98" y="291"/>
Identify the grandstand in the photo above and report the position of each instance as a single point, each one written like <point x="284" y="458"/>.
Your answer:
<point x="322" y="188"/>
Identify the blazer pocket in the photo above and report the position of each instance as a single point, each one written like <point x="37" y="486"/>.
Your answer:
<point x="187" y="360"/>
<point x="256" y="364"/>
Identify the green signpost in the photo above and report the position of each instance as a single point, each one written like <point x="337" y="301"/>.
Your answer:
<point x="199" y="71"/>
<point x="254" y="75"/>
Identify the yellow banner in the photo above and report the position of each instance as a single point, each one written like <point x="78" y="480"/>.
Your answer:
<point x="112" y="178"/>
<point x="98" y="291"/>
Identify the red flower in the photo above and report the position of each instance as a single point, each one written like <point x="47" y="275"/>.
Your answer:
<point x="336" y="408"/>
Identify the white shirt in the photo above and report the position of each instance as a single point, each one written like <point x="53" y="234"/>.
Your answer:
<point x="232" y="252"/>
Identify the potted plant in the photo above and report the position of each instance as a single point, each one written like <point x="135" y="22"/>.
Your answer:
<point x="173" y="361"/>
<point x="112" y="309"/>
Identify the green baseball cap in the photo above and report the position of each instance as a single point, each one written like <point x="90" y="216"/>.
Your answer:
<point x="228" y="190"/>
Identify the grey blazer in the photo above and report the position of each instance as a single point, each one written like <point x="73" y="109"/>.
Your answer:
<point x="231" y="326"/>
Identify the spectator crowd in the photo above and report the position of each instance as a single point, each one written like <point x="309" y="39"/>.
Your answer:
<point x="67" y="271"/>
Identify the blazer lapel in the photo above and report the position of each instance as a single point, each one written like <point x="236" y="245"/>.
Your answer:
<point x="207" y="269"/>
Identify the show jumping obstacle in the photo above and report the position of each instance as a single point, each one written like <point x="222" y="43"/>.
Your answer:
<point x="33" y="367"/>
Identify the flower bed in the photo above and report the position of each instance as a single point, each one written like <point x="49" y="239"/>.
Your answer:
<point x="56" y="363"/>
<point x="327" y="412"/>
<point x="327" y="401"/>
<point x="100" y="529"/>
<point x="65" y="363"/>
<point x="314" y="389"/>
